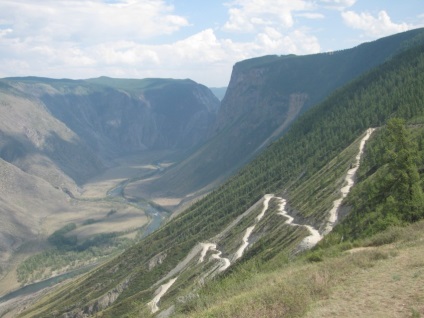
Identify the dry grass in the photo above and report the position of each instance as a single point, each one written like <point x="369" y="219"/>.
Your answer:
<point x="126" y="218"/>
<point x="167" y="202"/>
<point x="122" y="223"/>
<point x="387" y="287"/>
<point x="383" y="281"/>
<point x="31" y="210"/>
<point x="125" y="168"/>
<point x="99" y="189"/>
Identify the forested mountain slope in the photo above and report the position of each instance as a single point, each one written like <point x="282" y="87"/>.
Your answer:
<point x="265" y="95"/>
<point x="371" y="263"/>
<point x="305" y="169"/>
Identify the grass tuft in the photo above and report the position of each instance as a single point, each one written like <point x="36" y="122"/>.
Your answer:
<point x="315" y="256"/>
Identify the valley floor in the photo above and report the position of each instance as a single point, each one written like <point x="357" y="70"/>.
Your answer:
<point x="91" y="211"/>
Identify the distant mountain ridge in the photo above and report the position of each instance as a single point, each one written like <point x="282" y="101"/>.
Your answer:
<point x="219" y="91"/>
<point x="126" y="115"/>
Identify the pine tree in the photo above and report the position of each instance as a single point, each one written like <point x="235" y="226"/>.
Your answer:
<point x="406" y="195"/>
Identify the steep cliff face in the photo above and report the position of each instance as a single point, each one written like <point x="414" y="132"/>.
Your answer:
<point x="268" y="84"/>
<point x="251" y="109"/>
<point x="113" y="118"/>
<point x="264" y="96"/>
<point x="41" y="145"/>
<point x="57" y="134"/>
<point x="184" y="111"/>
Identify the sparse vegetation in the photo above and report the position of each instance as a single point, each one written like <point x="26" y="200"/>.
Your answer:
<point x="69" y="254"/>
<point x="111" y="212"/>
<point x="300" y="288"/>
<point x="270" y="280"/>
<point x="60" y="240"/>
<point x="89" y="221"/>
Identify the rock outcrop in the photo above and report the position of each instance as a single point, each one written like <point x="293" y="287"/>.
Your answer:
<point x="264" y="96"/>
<point x="126" y="116"/>
<point x="57" y="134"/>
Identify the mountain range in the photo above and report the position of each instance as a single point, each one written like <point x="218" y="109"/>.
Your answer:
<point x="58" y="134"/>
<point x="328" y="153"/>
<point x="264" y="96"/>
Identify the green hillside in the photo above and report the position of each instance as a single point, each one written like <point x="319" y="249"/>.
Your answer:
<point x="264" y="97"/>
<point x="387" y="197"/>
<point x="379" y="277"/>
<point x="373" y="257"/>
<point x="308" y="163"/>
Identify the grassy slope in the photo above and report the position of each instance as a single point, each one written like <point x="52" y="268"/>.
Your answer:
<point x="319" y="136"/>
<point x="373" y="281"/>
<point x="363" y="98"/>
<point x="377" y="276"/>
<point x="274" y="238"/>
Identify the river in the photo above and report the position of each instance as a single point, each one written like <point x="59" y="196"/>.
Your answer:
<point x="117" y="192"/>
<point x="156" y="216"/>
<point x="35" y="287"/>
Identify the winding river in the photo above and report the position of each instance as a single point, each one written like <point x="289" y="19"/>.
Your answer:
<point x="152" y="212"/>
<point x="35" y="287"/>
<point x="156" y="217"/>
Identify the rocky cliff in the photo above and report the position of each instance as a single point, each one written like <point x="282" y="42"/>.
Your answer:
<point x="122" y="116"/>
<point x="57" y="134"/>
<point x="265" y="95"/>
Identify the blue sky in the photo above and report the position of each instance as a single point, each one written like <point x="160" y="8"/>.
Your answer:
<point x="193" y="39"/>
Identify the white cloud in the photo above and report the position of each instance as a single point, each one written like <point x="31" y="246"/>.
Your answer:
<point x="140" y="38"/>
<point x="337" y="4"/>
<point x="272" y="41"/>
<point x="5" y="32"/>
<point x="90" y="38"/>
<point x="77" y="38"/>
<point x="90" y="21"/>
<point x="199" y="48"/>
<point x="379" y="26"/>
<point x="311" y="15"/>
<point x="123" y="53"/>
<point x="248" y="15"/>
<point x="203" y="56"/>
<point x="273" y="25"/>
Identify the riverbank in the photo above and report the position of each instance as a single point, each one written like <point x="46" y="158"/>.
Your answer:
<point x="50" y="282"/>
<point x="18" y="300"/>
<point x="135" y="218"/>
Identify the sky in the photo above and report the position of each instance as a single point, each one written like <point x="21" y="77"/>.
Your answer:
<point x="195" y="39"/>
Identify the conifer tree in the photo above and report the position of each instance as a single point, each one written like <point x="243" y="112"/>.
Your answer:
<point x="406" y="194"/>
